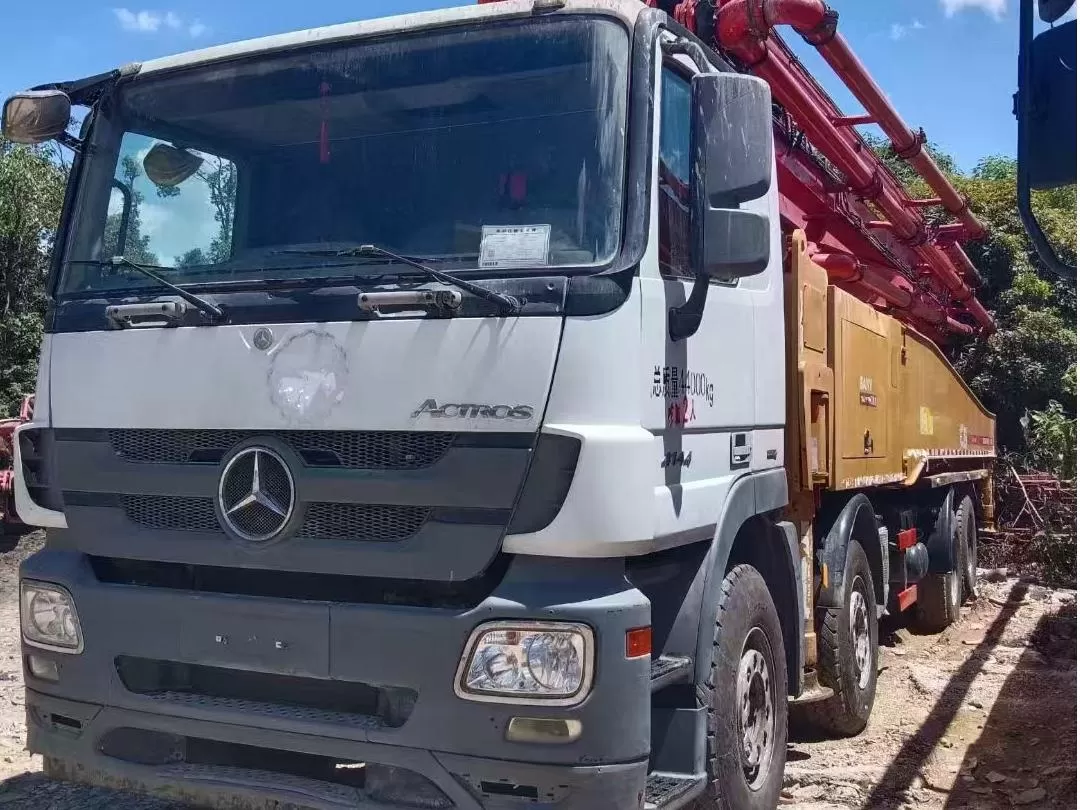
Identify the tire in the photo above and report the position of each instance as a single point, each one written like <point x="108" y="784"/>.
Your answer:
<point x="968" y="530"/>
<point x="848" y="653"/>
<point x="748" y="671"/>
<point x="940" y="595"/>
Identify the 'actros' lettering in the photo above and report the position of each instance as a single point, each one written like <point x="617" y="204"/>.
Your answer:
<point x="470" y="410"/>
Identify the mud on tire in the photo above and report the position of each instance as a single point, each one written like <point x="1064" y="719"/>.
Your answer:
<point x="745" y="695"/>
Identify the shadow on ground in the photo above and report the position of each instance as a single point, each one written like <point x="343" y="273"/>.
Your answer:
<point x="889" y="792"/>
<point x="1026" y="754"/>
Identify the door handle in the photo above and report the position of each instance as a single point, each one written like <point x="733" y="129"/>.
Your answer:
<point x="741" y="448"/>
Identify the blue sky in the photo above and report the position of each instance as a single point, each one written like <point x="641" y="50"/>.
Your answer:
<point x="948" y="65"/>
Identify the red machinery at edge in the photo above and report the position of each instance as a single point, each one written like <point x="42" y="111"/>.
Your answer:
<point x="869" y="233"/>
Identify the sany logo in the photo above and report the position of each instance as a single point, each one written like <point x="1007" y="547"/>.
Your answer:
<point x="452" y="410"/>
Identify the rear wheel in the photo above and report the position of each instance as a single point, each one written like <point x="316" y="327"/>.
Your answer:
<point x="968" y="529"/>
<point x="848" y="653"/>
<point x="746" y="698"/>
<point x="940" y="595"/>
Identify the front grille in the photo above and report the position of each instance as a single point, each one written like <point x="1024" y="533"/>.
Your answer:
<point x="457" y="595"/>
<point x="370" y="450"/>
<point x="331" y="521"/>
<point x="345" y="521"/>
<point x="172" y="513"/>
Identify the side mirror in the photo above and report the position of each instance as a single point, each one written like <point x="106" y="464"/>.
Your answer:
<point x="167" y="166"/>
<point x="1050" y="11"/>
<point x="1045" y="109"/>
<point x="731" y="152"/>
<point x="36" y="116"/>
<point x="1050" y="153"/>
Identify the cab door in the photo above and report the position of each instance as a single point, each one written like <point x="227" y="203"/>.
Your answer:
<point x="714" y="401"/>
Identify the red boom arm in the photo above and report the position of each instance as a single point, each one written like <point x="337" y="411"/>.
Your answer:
<point x="873" y="238"/>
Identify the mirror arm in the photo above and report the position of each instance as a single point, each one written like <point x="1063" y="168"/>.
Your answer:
<point x="70" y="141"/>
<point x="125" y="217"/>
<point x="692" y="49"/>
<point x="1043" y="248"/>
<point x="683" y="321"/>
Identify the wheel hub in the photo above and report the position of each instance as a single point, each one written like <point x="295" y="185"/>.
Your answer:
<point x="859" y="622"/>
<point x="754" y="702"/>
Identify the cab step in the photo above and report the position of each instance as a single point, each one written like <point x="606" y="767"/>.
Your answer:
<point x="668" y="791"/>
<point x="669" y="669"/>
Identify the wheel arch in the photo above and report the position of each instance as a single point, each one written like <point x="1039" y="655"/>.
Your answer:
<point x="939" y="540"/>
<point x="746" y="532"/>
<point x="852" y="519"/>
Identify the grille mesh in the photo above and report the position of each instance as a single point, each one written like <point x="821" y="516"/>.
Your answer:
<point x="344" y="521"/>
<point x="373" y="450"/>
<point x="332" y="521"/>
<point x="172" y="513"/>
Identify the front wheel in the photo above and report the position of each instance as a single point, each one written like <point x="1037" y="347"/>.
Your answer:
<point x="746" y="698"/>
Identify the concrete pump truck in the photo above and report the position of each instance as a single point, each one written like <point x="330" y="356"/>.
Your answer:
<point x="519" y="404"/>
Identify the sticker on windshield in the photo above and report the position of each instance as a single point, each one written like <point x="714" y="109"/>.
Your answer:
<point x="514" y="245"/>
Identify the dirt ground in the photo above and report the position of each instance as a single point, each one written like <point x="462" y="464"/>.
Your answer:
<point x="981" y="716"/>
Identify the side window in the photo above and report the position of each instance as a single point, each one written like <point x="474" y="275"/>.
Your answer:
<point x="674" y="175"/>
<point x="177" y="226"/>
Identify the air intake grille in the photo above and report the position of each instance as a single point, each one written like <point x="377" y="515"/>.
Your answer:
<point x="372" y="450"/>
<point x="342" y="521"/>
<point x="172" y="513"/>
<point x="333" y="521"/>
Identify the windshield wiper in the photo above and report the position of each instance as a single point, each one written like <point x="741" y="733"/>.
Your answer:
<point x="506" y="303"/>
<point x="212" y="311"/>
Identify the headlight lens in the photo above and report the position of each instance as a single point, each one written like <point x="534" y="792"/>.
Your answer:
<point x="48" y="617"/>
<point x="542" y="662"/>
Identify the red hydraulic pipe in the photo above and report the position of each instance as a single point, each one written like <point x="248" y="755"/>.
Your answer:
<point x="859" y="168"/>
<point x="955" y="326"/>
<point x="847" y="269"/>
<point x="961" y="260"/>
<point x="743" y="25"/>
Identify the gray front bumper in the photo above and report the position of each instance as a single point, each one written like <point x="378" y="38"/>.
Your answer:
<point x="456" y="744"/>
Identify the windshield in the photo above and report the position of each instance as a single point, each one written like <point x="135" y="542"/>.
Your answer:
<point x="494" y="148"/>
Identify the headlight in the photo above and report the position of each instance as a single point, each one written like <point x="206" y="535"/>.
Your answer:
<point x="549" y="663"/>
<point x="48" y="617"/>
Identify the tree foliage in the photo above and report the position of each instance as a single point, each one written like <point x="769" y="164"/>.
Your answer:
<point x="1030" y="362"/>
<point x="31" y="194"/>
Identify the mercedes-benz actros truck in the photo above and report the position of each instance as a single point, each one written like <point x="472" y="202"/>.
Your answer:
<point x="524" y="404"/>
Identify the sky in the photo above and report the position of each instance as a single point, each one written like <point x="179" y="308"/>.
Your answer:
<point x="949" y="66"/>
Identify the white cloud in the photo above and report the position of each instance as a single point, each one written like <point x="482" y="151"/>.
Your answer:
<point x="898" y="31"/>
<point x="146" y="21"/>
<point x="995" y="8"/>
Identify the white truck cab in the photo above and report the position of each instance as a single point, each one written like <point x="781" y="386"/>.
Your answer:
<point x="410" y="425"/>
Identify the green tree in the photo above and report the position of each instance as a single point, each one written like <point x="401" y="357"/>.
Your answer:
<point x="1029" y="361"/>
<point x="31" y="194"/>
<point x="137" y="248"/>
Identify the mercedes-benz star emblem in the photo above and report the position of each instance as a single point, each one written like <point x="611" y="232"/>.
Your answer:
<point x="256" y="494"/>
<point x="263" y="338"/>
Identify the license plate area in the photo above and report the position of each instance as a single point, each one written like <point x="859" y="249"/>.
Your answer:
<point x="291" y="639"/>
